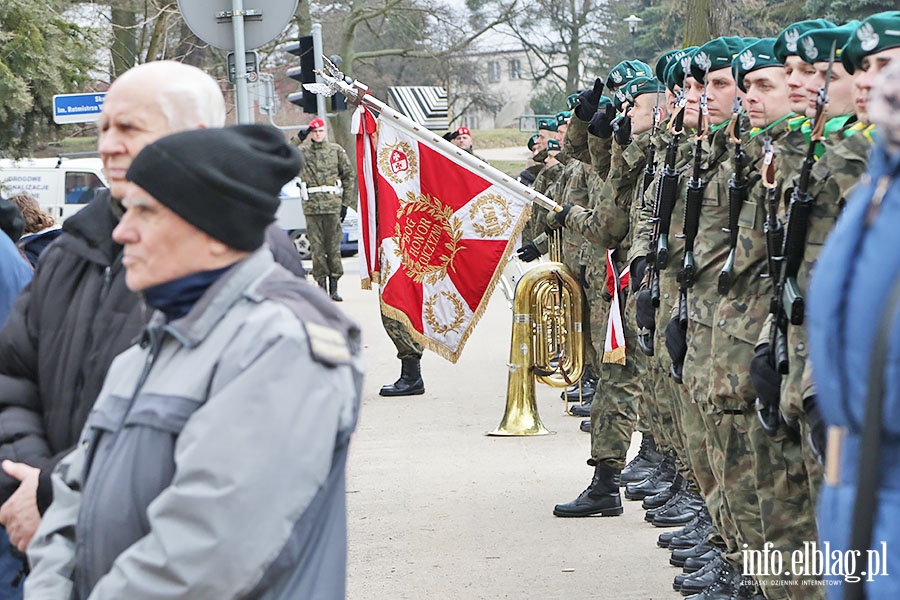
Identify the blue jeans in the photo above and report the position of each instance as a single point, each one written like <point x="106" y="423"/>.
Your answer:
<point x="10" y="567"/>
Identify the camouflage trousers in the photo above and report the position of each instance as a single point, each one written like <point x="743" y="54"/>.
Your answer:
<point x="403" y="341"/>
<point x="764" y="482"/>
<point x="325" y="235"/>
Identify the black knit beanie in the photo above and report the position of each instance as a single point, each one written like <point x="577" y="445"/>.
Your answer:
<point x="223" y="181"/>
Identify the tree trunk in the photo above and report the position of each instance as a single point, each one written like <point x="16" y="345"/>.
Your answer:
<point x="124" y="47"/>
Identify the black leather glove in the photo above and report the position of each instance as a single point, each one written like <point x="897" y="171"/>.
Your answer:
<point x="645" y="314"/>
<point x="637" y="270"/>
<point x="343" y="213"/>
<point x="589" y="100"/>
<point x="622" y="127"/>
<point x="766" y="380"/>
<point x="556" y="220"/>
<point x="601" y="122"/>
<point x="676" y="344"/>
<point x="817" y="438"/>
<point x="301" y="135"/>
<point x="526" y="177"/>
<point x="528" y="252"/>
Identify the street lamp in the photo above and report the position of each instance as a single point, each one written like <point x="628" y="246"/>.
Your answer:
<point x="632" y="28"/>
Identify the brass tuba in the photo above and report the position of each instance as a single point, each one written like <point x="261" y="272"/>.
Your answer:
<point x="547" y="341"/>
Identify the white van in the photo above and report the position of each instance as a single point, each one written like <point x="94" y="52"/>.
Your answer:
<point x="62" y="185"/>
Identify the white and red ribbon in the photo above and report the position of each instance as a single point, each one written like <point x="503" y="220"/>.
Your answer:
<point x="614" y="347"/>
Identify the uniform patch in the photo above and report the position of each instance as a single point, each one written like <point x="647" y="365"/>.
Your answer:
<point x="326" y="344"/>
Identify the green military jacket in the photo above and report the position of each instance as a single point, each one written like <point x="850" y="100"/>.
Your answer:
<point x="327" y="165"/>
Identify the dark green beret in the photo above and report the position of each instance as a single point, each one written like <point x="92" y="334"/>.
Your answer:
<point x="758" y="55"/>
<point x="660" y="69"/>
<point x="604" y="102"/>
<point x="533" y="140"/>
<point x="625" y="71"/>
<point x="717" y="54"/>
<point x="678" y="66"/>
<point x="553" y="144"/>
<point x="815" y="46"/>
<point x="572" y="101"/>
<point x="562" y="116"/>
<point x="548" y="124"/>
<point x="643" y="85"/>
<point x="877" y="32"/>
<point x="786" y="42"/>
<point x="619" y="98"/>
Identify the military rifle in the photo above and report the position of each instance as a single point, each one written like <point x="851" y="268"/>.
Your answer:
<point x="650" y="166"/>
<point x="693" y="203"/>
<point x="737" y="196"/>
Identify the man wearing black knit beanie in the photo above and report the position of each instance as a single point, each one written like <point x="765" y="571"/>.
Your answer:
<point x="240" y="400"/>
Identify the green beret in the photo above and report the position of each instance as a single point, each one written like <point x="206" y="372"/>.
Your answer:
<point x="877" y="32"/>
<point x="619" y="98"/>
<point x="533" y="140"/>
<point x="717" y="54"/>
<point x="604" y="102"/>
<point x="786" y="42"/>
<point x="678" y="67"/>
<point x="572" y="101"/>
<point x="643" y="85"/>
<point x="553" y="144"/>
<point x="548" y="124"/>
<point x="815" y="46"/>
<point x="758" y="55"/>
<point x="562" y="116"/>
<point x="660" y="69"/>
<point x="625" y="71"/>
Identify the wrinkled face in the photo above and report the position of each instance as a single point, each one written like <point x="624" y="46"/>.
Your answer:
<point x="130" y="120"/>
<point x="642" y="113"/>
<point x="159" y="245"/>
<point x="798" y="73"/>
<point x="720" y="93"/>
<point x="463" y="140"/>
<point x="317" y="134"/>
<point x="864" y="78"/>
<point x="693" y="89"/>
<point x="767" y="98"/>
<point x="840" y="90"/>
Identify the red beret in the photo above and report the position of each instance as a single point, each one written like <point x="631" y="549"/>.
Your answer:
<point x="316" y="123"/>
<point x="463" y="131"/>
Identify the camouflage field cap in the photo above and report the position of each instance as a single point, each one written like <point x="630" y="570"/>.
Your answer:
<point x="877" y="32"/>
<point x="553" y="145"/>
<point x="548" y="124"/>
<point x="643" y="85"/>
<point x="563" y="117"/>
<point x="625" y="71"/>
<point x="717" y="54"/>
<point x="815" y="46"/>
<point x="678" y="66"/>
<point x="759" y="55"/>
<point x="786" y="42"/>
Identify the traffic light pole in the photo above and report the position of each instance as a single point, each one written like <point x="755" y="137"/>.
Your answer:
<point x="316" y="31"/>
<point x="241" y="96"/>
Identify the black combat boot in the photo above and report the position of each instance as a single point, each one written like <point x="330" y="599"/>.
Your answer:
<point x="600" y="498"/>
<point x="657" y="500"/>
<point x="659" y="480"/>
<point x="332" y="289"/>
<point x="321" y="284"/>
<point x="582" y="391"/>
<point x="410" y="382"/>
<point x="644" y="462"/>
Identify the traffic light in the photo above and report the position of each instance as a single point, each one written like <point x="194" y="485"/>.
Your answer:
<point x="305" y="73"/>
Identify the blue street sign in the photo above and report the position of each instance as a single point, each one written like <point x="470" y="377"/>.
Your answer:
<point x="77" y="108"/>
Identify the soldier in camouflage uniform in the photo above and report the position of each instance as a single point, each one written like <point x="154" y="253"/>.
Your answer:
<point x="329" y="181"/>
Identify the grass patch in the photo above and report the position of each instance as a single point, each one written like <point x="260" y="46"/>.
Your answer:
<point x="500" y="138"/>
<point x="67" y="146"/>
<point x="510" y="167"/>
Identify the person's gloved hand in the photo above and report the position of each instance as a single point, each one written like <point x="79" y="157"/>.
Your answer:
<point x="601" y="122"/>
<point x="589" y="100"/>
<point x="343" y="213"/>
<point x="766" y="380"/>
<point x="556" y="220"/>
<point x="676" y="344"/>
<point x="303" y="133"/>
<point x="637" y="269"/>
<point x="622" y="127"/>
<point x="528" y="252"/>
<point x="817" y="436"/>
<point x="645" y="314"/>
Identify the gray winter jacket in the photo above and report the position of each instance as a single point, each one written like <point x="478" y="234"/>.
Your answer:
<point x="212" y="464"/>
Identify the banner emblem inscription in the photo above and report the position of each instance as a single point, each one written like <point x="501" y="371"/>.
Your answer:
<point x="427" y="237"/>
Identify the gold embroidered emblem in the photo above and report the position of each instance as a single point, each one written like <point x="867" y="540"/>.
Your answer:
<point x="432" y="320"/>
<point x="385" y="266"/>
<point x="398" y="162"/>
<point x="490" y="215"/>
<point x="427" y="237"/>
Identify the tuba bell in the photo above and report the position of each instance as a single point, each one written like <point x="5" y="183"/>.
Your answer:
<point x="547" y="341"/>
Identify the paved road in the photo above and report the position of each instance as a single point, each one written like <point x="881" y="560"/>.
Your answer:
<point x="438" y="510"/>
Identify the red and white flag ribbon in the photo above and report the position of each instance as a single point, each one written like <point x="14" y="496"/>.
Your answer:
<point x="614" y="347"/>
<point x="363" y="127"/>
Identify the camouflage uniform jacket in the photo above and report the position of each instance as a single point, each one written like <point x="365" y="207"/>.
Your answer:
<point x="545" y="184"/>
<point x="572" y="188"/>
<point x="575" y="142"/>
<point x="326" y="164"/>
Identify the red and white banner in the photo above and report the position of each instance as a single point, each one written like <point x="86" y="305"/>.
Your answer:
<point x="614" y="347"/>
<point x="443" y="232"/>
<point x="363" y="127"/>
